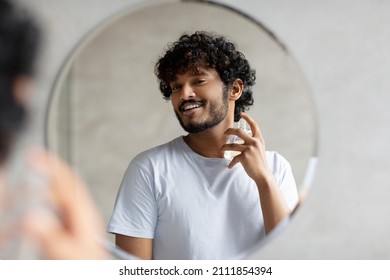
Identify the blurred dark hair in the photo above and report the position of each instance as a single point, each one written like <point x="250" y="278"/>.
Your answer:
<point x="19" y="44"/>
<point x="205" y="49"/>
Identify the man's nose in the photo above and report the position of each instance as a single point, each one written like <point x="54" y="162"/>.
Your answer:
<point x="187" y="92"/>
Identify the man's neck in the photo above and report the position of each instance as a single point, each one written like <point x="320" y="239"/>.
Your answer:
<point x="208" y="143"/>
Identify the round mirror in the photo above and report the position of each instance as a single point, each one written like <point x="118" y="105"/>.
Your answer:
<point x="106" y="106"/>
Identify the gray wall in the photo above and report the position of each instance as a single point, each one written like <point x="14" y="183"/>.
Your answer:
<point x="342" y="48"/>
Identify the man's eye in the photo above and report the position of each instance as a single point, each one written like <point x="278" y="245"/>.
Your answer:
<point x="198" y="82"/>
<point x="175" y="88"/>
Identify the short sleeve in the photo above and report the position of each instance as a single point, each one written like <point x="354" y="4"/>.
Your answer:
<point x="135" y="210"/>
<point x="285" y="179"/>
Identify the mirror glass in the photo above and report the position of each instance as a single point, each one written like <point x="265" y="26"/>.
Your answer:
<point x="106" y="106"/>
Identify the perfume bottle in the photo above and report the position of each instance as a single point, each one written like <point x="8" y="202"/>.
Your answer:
<point x="242" y="124"/>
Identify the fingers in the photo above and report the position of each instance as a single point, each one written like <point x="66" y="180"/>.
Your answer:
<point x="251" y="149"/>
<point x="256" y="133"/>
<point x="253" y="125"/>
<point x="234" y="147"/>
<point x="238" y="132"/>
<point x="234" y="161"/>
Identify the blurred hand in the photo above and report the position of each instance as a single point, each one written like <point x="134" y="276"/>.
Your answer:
<point x="72" y="228"/>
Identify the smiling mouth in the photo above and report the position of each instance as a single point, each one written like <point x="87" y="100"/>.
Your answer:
<point x="190" y="105"/>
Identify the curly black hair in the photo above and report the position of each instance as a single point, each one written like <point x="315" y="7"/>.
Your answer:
<point x="206" y="49"/>
<point x="19" y="44"/>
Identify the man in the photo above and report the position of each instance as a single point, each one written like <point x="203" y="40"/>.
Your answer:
<point x="183" y="199"/>
<point x="72" y="229"/>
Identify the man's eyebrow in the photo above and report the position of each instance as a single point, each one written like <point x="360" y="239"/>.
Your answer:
<point x="195" y="74"/>
<point x="201" y="73"/>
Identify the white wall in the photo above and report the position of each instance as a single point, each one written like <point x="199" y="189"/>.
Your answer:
<point x="342" y="47"/>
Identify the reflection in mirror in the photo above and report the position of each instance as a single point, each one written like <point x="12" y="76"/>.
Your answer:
<point x="106" y="106"/>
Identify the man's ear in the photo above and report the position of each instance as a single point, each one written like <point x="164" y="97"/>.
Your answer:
<point x="236" y="90"/>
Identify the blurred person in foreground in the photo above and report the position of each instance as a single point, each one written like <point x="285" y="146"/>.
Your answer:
<point x="71" y="227"/>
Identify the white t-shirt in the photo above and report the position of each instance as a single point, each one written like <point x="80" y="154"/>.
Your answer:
<point x="194" y="207"/>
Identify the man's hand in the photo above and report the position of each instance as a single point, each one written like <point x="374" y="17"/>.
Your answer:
<point x="252" y="151"/>
<point x="72" y="230"/>
<point x="253" y="159"/>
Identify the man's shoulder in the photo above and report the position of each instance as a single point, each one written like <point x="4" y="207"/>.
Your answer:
<point x="156" y="152"/>
<point x="276" y="160"/>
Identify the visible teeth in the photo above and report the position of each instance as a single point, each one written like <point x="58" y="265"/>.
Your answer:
<point x="189" y="107"/>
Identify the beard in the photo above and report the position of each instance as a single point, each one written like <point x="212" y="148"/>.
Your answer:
<point x="217" y="112"/>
